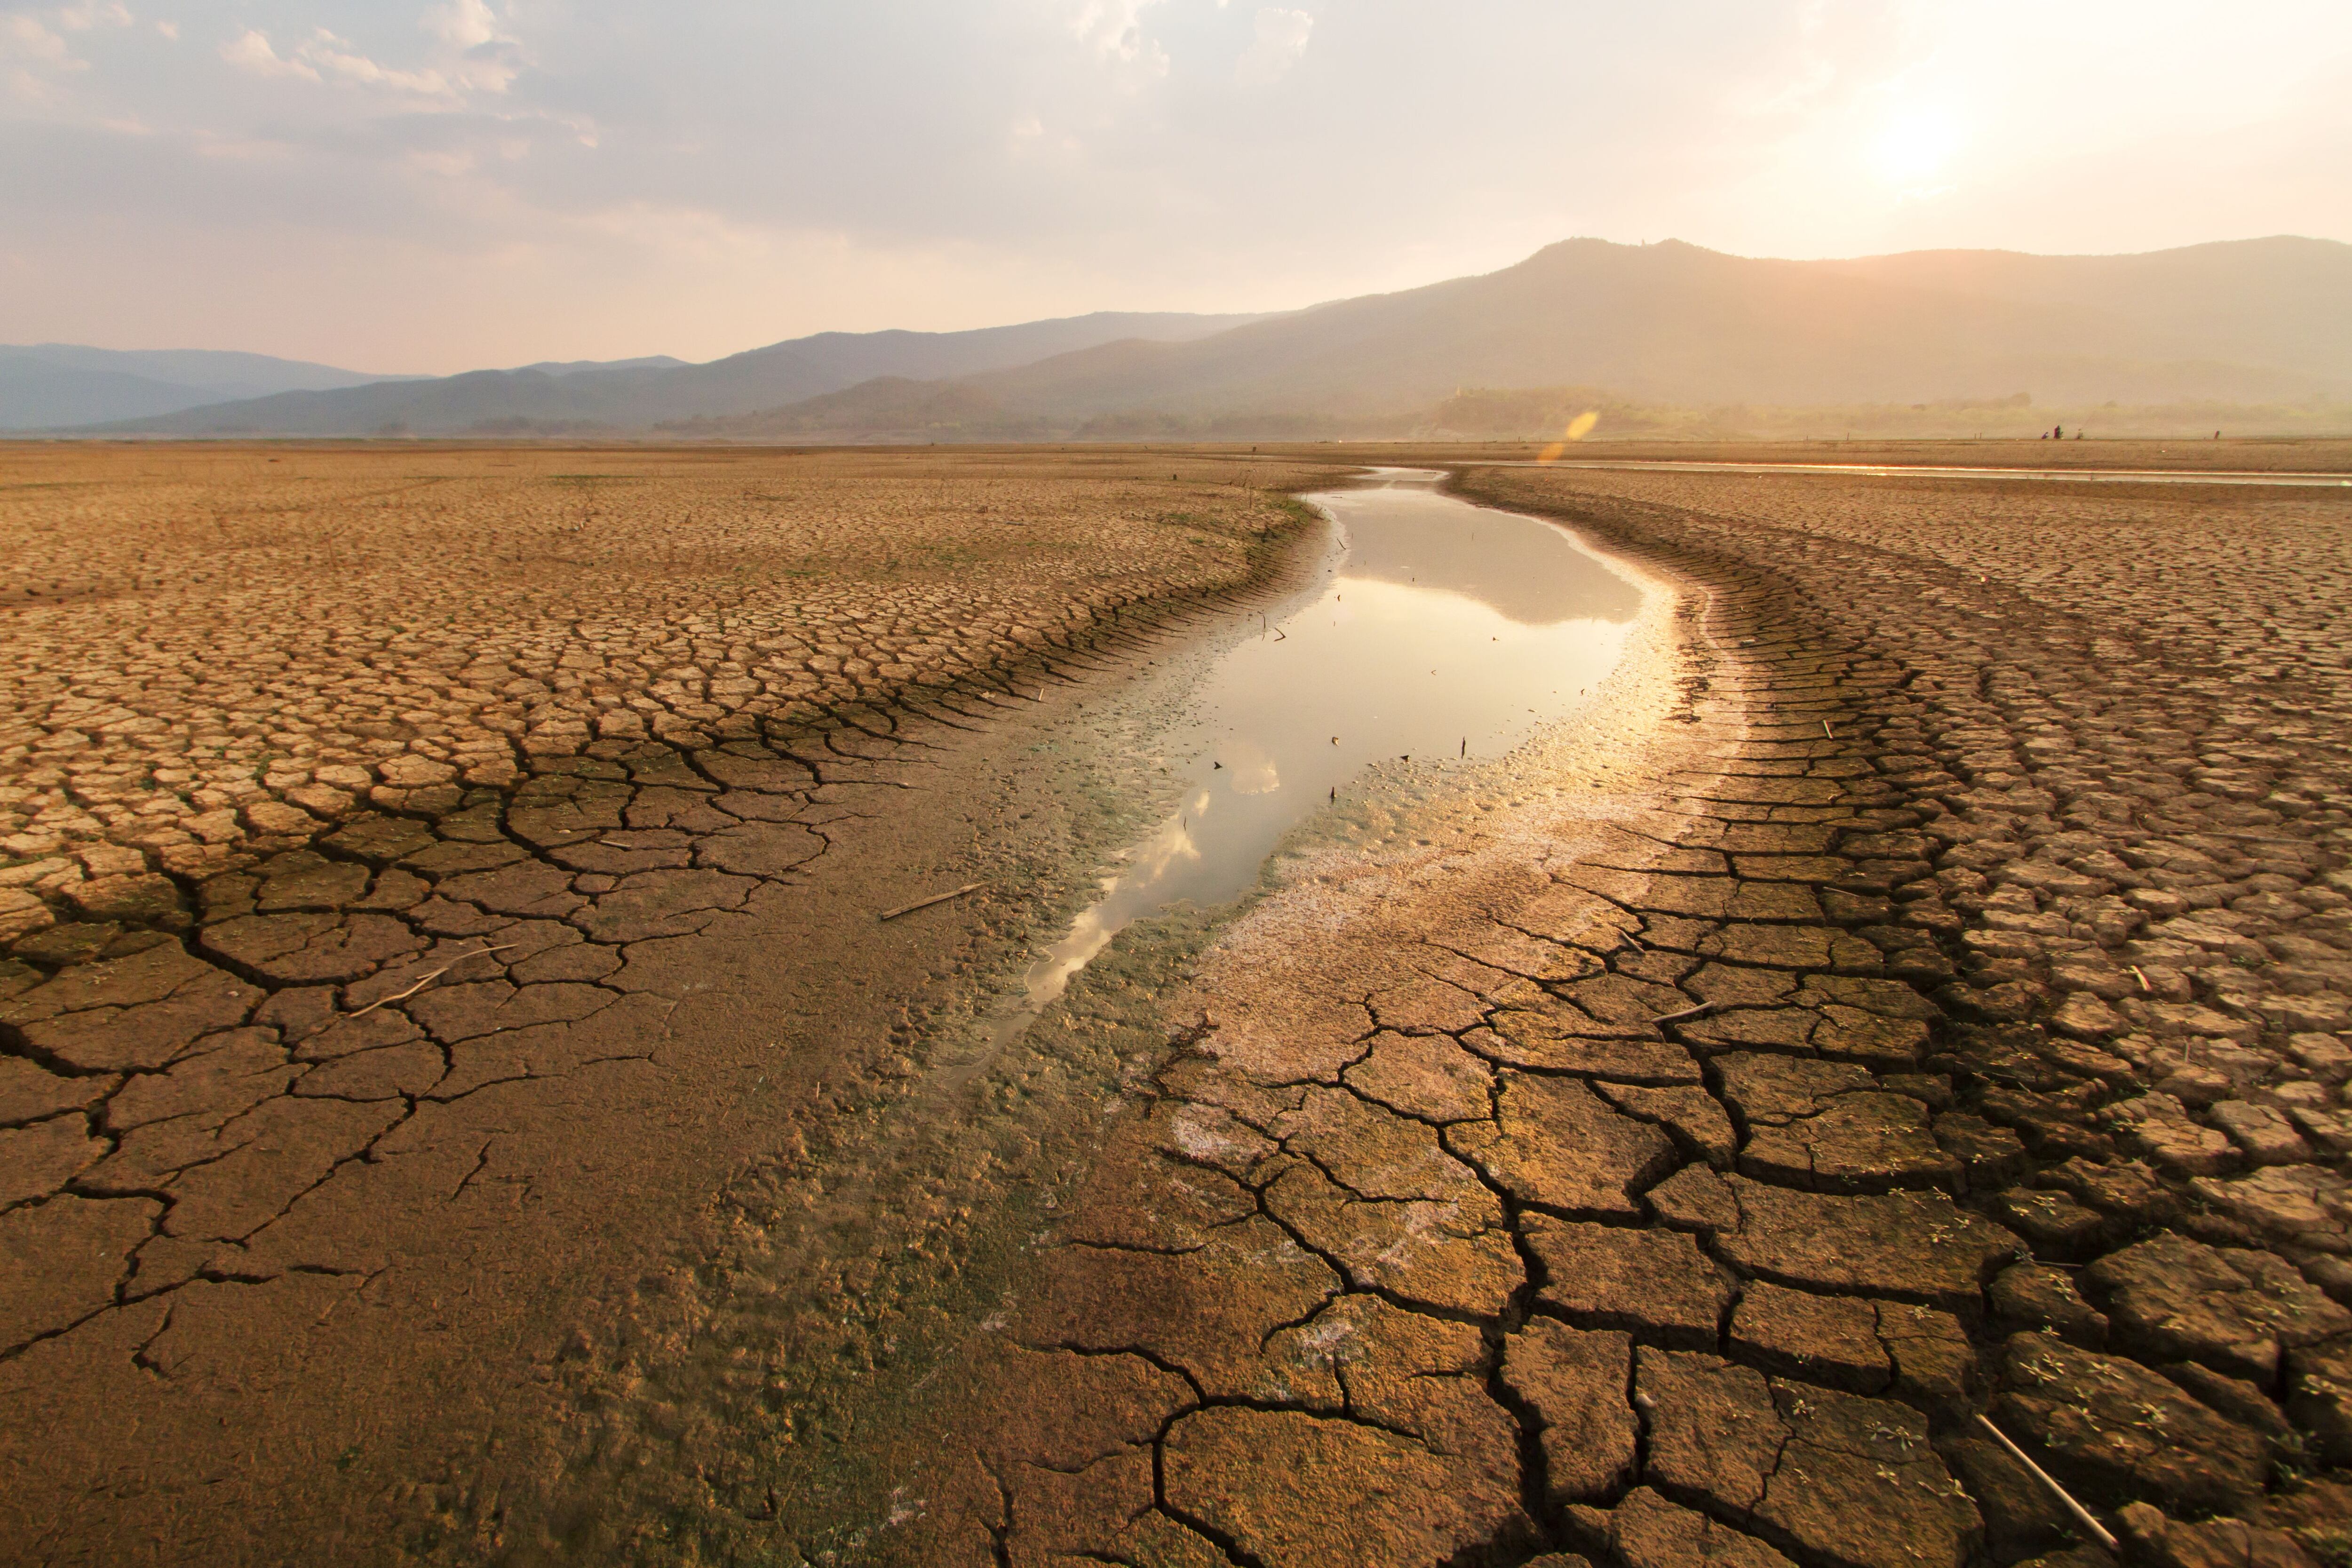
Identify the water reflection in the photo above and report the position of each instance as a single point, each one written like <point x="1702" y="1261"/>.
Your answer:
<point x="1448" y="631"/>
<point x="1521" y="569"/>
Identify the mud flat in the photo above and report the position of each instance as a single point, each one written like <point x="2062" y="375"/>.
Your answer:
<point x="1917" y="988"/>
<point x="1437" y="639"/>
<point x="1927" y="1001"/>
<point x="439" y="889"/>
<point x="2284" y="456"/>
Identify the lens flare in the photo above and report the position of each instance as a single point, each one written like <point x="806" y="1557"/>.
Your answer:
<point x="1578" y="429"/>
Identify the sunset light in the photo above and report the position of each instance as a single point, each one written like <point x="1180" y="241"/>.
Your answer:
<point x="1216" y="783"/>
<point x="1917" y="146"/>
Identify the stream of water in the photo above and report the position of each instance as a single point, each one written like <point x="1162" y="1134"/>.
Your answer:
<point x="1445" y="631"/>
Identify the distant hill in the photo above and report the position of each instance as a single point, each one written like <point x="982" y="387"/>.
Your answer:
<point x="2256" y="320"/>
<point x="2247" y="323"/>
<point x="2282" y="302"/>
<point x="43" y="386"/>
<point x="575" y="367"/>
<point x="637" y="394"/>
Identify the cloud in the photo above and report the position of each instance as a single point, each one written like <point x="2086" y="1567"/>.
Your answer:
<point x="486" y="59"/>
<point x="82" y="17"/>
<point x="38" y="38"/>
<point x="334" y="55"/>
<point x="28" y="38"/>
<point x="1047" y="156"/>
<point x="253" y="52"/>
<point x="1114" y="29"/>
<point x="1282" y="35"/>
<point x="465" y="24"/>
<point x="473" y="57"/>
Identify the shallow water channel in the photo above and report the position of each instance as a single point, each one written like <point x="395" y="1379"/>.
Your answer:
<point x="1438" y="630"/>
<point x="1444" y="630"/>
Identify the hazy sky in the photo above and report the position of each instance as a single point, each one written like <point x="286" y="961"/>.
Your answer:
<point x="401" y="186"/>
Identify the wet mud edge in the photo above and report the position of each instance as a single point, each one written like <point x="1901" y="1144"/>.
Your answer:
<point x="1678" y="1174"/>
<point x="216" y="1089"/>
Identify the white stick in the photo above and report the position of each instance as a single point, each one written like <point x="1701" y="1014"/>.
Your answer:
<point x="2081" y="1515"/>
<point x="934" y="899"/>
<point x="429" y="979"/>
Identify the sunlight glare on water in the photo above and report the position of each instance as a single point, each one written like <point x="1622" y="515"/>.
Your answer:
<point x="1448" y="630"/>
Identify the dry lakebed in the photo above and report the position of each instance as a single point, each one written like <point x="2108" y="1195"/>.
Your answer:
<point x="1275" y="1007"/>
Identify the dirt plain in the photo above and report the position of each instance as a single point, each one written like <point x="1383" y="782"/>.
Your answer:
<point x="2284" y="455"/>
<point x="400" y="849"/>
<point x="1927" y="997"/>
<point x="1929" y="1001"/>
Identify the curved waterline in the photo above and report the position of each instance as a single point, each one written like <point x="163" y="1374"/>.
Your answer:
<point x="1446" y="631"/>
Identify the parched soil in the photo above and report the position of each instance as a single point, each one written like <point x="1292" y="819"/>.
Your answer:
<point x="1925" y="997"/>
<point x="1934" y="1007"/>
<point x="208" y="655"/>
<point x="427" y="876"/>
<point x="2285" y="455"/>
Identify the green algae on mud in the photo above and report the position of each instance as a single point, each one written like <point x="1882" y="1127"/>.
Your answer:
<point x="1044" y="1110"/>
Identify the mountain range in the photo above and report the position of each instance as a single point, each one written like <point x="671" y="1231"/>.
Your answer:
<point x="2263" y="321"/>
<point x="47" y="386"/>
<point x="634" y="395"/>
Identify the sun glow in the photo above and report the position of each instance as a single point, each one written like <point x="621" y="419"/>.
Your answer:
<point x="1916" y="145"/>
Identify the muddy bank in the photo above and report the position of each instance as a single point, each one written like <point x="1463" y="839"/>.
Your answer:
<point x="803" y="1413"/>
<point x="1938" y="1011"/>
<point x="1925" y="997"/>
<point x="1366" y="892"/>
<point x="350" y="1171"/>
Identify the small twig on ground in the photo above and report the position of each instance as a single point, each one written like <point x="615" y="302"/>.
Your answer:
<point x="934" y="899"/>
<point x="1687" y="1013"/>
<point x="2145" y="989"/>
<point x="1827" y="731"/>
<point x="2099" y="1532"/>
<point x="404" y="995"/>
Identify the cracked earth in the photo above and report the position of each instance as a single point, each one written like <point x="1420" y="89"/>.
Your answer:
<point x="1928" y="1000"/>
<point x="1925" y="997"/>
<point x="379" y="832"/>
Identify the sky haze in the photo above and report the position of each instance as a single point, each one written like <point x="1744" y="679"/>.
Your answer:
<point x="430" y="187"/>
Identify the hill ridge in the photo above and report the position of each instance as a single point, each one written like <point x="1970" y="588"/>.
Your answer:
<point x="2259" y="321"/>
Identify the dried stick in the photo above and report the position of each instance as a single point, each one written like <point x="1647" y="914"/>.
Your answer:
<point x="1685" y="1013"/>
<point x="404" y="995"/>
<point x="934" y="899"/>
<point x="2081" y="1515"/>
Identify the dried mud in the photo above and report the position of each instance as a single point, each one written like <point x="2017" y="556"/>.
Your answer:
<point x="1929" y="999"/>
<point x="432" y="876"/>
<point x="1926" y="995"/>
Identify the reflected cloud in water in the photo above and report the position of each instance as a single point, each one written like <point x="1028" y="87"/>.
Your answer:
<point x="1448" y="630"/>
